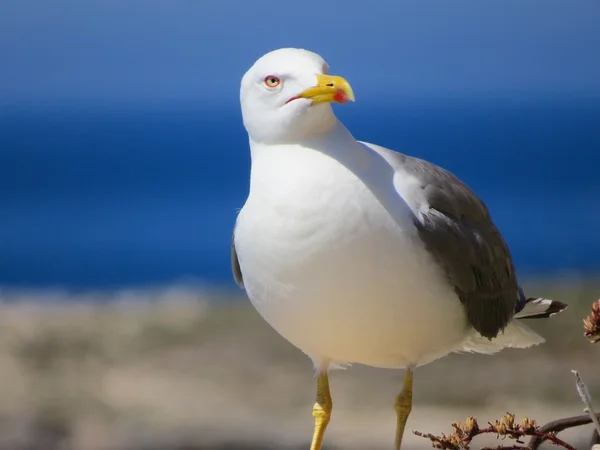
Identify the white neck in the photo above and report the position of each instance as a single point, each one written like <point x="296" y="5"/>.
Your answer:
<point x="312" y="161"/>
<point x="315" y="161"/>
<point x="331" y="138"/>
<point x="291" y="128"/>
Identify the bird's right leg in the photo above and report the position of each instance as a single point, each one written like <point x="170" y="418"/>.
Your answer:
<point x="403" y="405"/>
<point x="321" y="410"/>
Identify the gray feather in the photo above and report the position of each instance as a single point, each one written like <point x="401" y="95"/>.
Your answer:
<point x="456" y="228"/>
<point x="235" y="263"/>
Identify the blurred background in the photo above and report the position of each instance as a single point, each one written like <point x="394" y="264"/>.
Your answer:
<point x="123" y="163"/>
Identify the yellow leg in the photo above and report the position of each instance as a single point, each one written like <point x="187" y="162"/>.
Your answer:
<point x="403" y="405"/>
<point x="321" y="410"/>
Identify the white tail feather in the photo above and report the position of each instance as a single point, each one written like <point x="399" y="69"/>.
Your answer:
<point x="516" y="335"/>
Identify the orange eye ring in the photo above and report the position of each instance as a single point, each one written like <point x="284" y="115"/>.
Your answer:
<point x="271" y="81"/>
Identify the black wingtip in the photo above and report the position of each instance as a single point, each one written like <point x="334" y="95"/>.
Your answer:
<point x="552" y="307"/>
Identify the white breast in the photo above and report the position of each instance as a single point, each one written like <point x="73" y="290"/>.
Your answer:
<point x="331" y="259"/>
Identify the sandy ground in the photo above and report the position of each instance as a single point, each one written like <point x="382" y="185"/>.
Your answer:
<point x="181" y="368"/>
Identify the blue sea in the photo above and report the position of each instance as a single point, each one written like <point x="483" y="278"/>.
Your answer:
<point x="115" y="197"/>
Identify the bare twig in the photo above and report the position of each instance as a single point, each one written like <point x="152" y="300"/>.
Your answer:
<point x="586" y="399"/>
<point x="504" y="447"/>
<point x="556" y="426"/>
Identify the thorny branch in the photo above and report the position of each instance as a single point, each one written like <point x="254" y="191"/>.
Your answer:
<point x="463" y="434"/>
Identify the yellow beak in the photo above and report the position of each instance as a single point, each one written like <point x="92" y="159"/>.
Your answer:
<point x="329" y="89"/>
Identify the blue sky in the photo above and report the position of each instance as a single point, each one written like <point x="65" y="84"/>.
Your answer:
<point x="195" y="51"/>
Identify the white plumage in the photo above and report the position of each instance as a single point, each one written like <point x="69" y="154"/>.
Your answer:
<point x="339" y="274"/>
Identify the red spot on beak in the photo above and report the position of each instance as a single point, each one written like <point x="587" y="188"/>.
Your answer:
<point x="340" y="97"/>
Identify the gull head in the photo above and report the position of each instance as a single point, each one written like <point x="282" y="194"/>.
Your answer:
<point x="286" y="96"/>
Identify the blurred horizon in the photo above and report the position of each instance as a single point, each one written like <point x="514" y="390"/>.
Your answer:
<point x="153" y="198"/>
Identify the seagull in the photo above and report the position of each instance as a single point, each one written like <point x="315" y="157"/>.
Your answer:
<point x="355" y="253"/>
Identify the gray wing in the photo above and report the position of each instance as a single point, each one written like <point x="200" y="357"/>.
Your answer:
<point x="235" y="263"/>
<point x="457" y="230"/>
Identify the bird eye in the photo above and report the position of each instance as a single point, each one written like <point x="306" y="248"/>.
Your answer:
<point x="272" y="81"/>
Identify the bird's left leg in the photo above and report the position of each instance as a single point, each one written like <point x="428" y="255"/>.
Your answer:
<point x="321" y="410"/>
<point x="403" y="406"/>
